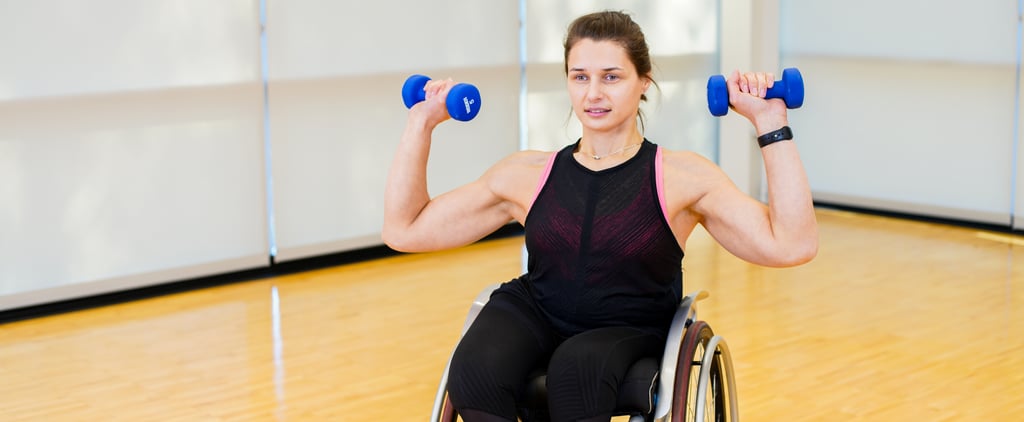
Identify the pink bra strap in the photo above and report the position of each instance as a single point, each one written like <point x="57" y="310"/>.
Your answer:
<point x="543" y="178"/>
<point x="659" y="181"/>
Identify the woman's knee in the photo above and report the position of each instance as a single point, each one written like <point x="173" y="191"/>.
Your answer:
<point x="478" y="375"/>
<point x="606" y="350"/>
<point x="478" y="364"/>
<point x="492" y="361"/>
<point x="585" y="371"/>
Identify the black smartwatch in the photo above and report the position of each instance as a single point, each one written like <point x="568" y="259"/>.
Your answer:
<point x="772" y="137"/>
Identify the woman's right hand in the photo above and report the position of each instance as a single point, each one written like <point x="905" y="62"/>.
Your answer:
<point x="433" y="109"/>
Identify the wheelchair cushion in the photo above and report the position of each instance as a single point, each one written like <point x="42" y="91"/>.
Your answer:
<point x="637" y="391"/>
<point x="635" y="396"/>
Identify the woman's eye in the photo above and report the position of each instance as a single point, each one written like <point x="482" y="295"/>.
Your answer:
<point x="611" y="77"/>
<point x="580" y="77"/>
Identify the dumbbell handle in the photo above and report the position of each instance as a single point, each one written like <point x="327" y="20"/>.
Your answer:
<point x="462" y="102"/>
<point x="790" y="89"/>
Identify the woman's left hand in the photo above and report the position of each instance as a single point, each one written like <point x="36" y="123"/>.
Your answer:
<point x="746" y="97"/>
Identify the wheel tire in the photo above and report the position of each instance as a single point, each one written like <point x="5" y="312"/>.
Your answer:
<point x="691" y="356"/>
<point x="448" y="413"/>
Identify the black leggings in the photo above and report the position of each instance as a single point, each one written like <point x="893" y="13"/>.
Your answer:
<point x="510" y="338"/>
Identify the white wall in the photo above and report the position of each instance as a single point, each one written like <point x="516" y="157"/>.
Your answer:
<point x="910" y="110"/>
<point x="337" y="114"/>
<point x="130" y="145"/>
<point x="132" y="135"/>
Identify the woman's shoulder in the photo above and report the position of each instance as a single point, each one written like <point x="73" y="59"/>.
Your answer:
<point x="515" y="177"/>
<point x="689" y="176"/>
<point x="689" y="161"/>
<point x="531" y="156"/>
<point x="519" y="165"/>
<point x="525" y="160"/>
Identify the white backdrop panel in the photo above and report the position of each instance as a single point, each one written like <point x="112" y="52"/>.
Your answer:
<point x="910" y="104"/>
<point x="880" y="134"/>
<point x="105" y="187"/>
<point x="931" y="30"/>
<point x="71" y="47"/>
<point x="336" y="109"/>
<point x="326" y="38"/>
<point x="131" y="145"/>
<point x="672" y="27"/>
<point x="333" y="141"/>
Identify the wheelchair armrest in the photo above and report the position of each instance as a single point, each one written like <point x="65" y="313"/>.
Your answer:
<point x="478" y="304"/>
<point x="685" y="314"/>
<point x="474" y="310"/>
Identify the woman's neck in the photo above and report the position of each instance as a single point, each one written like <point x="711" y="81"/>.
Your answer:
<point x="599" y="145"/>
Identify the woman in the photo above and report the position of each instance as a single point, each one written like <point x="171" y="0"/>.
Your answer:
<point x="606" y="220"/>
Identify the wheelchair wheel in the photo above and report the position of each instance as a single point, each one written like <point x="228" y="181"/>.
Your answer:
<point x="448" y="413"/>
<point x="691" y="356"/>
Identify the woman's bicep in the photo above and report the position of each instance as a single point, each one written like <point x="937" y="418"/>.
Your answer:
<point x="738" y="222"/>
<point x="455" y="218"/>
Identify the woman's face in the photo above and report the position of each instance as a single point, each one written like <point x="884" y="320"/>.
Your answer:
<point x="604" y="86"/>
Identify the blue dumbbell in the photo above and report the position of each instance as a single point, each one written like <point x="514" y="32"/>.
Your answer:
<point x="790" y="89"/>
<point x="463" y="100"/>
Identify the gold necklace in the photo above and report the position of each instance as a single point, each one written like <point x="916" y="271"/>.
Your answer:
<point x="618" y="151"/>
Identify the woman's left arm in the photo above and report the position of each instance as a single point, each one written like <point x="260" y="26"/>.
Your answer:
<point x="785" y="231"/>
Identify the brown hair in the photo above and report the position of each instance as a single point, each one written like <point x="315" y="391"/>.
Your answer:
<point x="613" y="26"/>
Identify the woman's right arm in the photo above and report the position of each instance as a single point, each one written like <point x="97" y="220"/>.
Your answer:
<point x="415" y="222"/>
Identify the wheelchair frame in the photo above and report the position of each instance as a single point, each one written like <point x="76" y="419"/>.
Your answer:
<point x="675" y="401"/>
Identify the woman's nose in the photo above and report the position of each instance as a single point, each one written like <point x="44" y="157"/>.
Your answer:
<point x="594" y="91"/>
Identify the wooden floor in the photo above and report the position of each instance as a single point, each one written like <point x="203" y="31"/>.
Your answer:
<point x="894" y="321"/>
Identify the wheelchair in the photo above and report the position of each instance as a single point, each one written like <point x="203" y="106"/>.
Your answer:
<point x="692" y="382"/>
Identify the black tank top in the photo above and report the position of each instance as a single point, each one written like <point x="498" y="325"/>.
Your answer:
<point x="600" y="250"/>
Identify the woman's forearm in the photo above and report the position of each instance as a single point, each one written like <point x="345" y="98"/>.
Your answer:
<point x="405" y="193"/>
